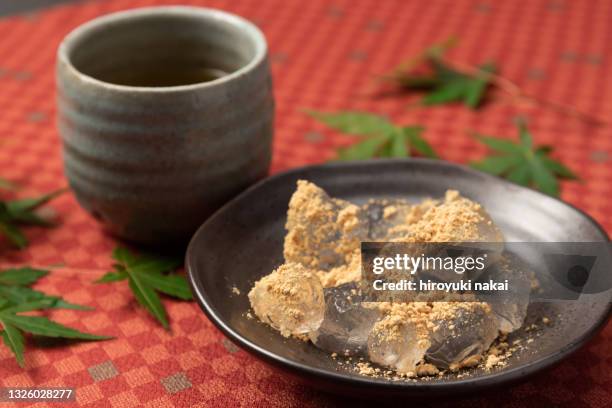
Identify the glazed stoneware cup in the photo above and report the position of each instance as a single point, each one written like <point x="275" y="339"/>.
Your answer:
<point x="165" y="113"/>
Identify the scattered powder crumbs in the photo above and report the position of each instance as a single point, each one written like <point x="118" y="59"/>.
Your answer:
<point x="365" y="369"/>
<point x="235" y="290"/>
<point x="498" y="353"/>
<point x="471" y="361"/>
<point x="492" y="361"/>
<point x="427" y="369"/>
<point x="302" y="337"/>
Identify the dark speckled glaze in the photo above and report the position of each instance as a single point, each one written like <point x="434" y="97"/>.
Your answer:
<point x="243" y="242"/>
<point x="152" y="162"/>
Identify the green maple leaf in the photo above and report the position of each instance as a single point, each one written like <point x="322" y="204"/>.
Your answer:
<point x="379" y="136"/>
<point x="19" y="212"/>
<point x="14" y="287"/>
<point x="24" y="276"/>
<point x="442" y="84"/>
<point x="524" y="163"/>
<point x="146" y="276"/>
<point x="14" y="325"/>
<point x="16" y="297"/>
<point x="453" y="86"/>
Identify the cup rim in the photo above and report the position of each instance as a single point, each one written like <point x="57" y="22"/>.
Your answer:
<point x="251" y="30"/>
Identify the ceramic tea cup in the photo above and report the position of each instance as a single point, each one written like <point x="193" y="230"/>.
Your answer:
<point x="165" y="113"/>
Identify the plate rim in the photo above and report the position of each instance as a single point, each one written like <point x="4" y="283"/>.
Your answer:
<point x="496" y="378"/>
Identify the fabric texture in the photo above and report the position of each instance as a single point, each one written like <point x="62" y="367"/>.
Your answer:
<point x="324" y="56"/>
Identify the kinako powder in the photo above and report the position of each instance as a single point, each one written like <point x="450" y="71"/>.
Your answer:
<point x="323" y="244"/>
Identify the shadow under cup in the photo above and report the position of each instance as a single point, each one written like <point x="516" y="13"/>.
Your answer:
<point x="165" y="114"/>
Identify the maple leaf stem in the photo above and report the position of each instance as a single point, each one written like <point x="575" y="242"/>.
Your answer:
<point x="567" y="110"/>
<point x="501" y="82"/>
<point x="517" y="93"/>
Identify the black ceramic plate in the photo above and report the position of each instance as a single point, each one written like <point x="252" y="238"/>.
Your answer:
<point x="243" y="242"/>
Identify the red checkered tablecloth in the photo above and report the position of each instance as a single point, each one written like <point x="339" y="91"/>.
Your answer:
<point x="323" y="55"/>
